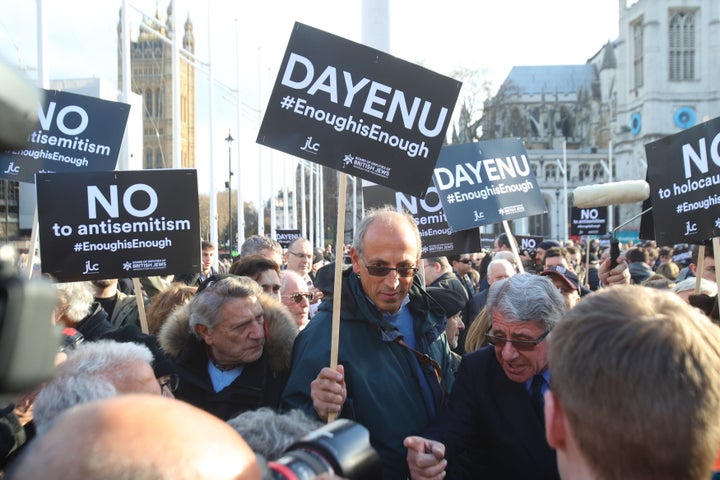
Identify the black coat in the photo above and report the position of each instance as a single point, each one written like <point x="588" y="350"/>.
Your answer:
<point x="489" y="428"/>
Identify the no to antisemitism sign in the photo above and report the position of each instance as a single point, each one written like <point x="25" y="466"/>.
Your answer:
<point x="99" y="225"/>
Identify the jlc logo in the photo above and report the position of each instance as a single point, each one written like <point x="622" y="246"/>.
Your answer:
<point x="91" y="268"/>
<point x="310" y="147"/>
<point x="12" y="169"/>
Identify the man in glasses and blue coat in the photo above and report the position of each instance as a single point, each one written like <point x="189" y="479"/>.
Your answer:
<point x="394" y="365"/>
<point x="493" y="424"/>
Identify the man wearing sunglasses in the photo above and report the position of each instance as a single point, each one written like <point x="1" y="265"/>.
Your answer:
<point x="295" y="296"/>
<point x="394" y="365"/>
<point x="493" y="425"/>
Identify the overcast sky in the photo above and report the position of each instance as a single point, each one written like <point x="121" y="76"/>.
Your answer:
<point x="486" y="35"/>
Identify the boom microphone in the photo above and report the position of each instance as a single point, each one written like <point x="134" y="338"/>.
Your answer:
<point x="615" y="193"/>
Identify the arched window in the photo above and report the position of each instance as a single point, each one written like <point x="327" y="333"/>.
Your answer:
<point x="583" y="171"/>
<point x="551" y="171"/>
<point x="598" y="172"/>
<point x="159" y="101"/>
<point x="682" y="46"/>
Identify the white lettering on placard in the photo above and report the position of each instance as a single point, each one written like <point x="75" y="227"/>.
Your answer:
<point x="699" y="157"/>
<point x="411" y="203"/>
<point x="495" y="169"/>
<point x="587" y="213"/>
<point x="111" y="206"/>
<point x="381" y="101"/>
<point x="47" y="117"/>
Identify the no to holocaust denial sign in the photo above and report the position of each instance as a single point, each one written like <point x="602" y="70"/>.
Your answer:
<point x="588" y="221"/>
<point x="358" y="110"/>
<point x="74" y="133"/>
<point x="486" y="182"/>
<point x="684" y="177"/>
<point x="438" y="238"/>
<point x="99" y="225"/>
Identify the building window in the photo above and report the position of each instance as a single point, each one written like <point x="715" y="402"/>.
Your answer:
<point x="682" y="46"/>
<point x="149" y="103"/>
<point x="637" y="32"/>
<point x="550" y="171"/>
<point x="148" y="158"/>
<point x="159" y="100"/>
<point x="598" y="172"/>
<point x="583" y="172"/>
<point x="534" y="168"/>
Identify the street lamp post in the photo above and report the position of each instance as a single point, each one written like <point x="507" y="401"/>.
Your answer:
<point x="229" y="140"/>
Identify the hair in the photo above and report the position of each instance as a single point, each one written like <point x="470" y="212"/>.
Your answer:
<point x="507" y="255"/>
<point x="475" y="336"/>
<point x="659" y="281"/>
<point x="666" y="252"/>
<point x="90" y="372"/>
<point x="503" y="240"/>
<point x="696" y="252"/>
<point x="499" y="261"/>
<point x="298" y="241"/>
<point x="253" y="265"/>
<point x="165" y="302"/>
<point x="526" y="298"/>
<point x="385" y="215"/>
<point x="257" y="243"/>
<point x="270" y="433"/>
<point x="74" y="300"/>
<point x="207" y="246"/>
<point x="285" y="275"/>
<point x="443" y="261"/>
<point x="706" y="286"/>
<point x="637" y="254"/>
<point x="203" y="308"/>
<point x="637" y="373"/>
<point x="558" y="252"/>
<point x="669" y="269"/>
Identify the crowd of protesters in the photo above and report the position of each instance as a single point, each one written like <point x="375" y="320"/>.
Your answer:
<point x="493" y="364"/>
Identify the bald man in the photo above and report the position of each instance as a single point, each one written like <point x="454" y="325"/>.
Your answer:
<point x="154" y="438"/>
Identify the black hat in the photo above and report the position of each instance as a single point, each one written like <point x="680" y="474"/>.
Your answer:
<point x="564" y="274"/>
<point x="451" y="300"/>
<point x="548" y="244"/>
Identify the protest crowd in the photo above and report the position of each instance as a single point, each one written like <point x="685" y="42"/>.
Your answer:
<point x="459" y="367"/>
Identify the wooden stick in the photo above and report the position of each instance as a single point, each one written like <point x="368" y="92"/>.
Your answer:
<point x="699" y="266"/>
<point x="33" y="244"/>
<point x="140" y="305"/>
<point x="337" y="285"/>
<point x="513" y="246"/>
<point x="716" y="257"/>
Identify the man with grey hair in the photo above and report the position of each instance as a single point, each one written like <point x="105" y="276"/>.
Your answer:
<point x="218" y="342"/>
<point x="261" y="245"/>
<point x="95" y="370"/>
<point x="493" y="426"/>
<point x="394" y="365"/>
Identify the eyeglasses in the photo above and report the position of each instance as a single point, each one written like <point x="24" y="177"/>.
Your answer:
<point x="306" y="256"/>
<point x="170" y="383"/>
<point x="522" y="345"/>
<point x="297" y="297"/>
<point x="381" y="271"/>
<point x="465" y="260"/>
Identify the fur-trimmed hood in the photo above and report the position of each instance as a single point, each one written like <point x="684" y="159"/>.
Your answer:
<point x="280" y="331"/>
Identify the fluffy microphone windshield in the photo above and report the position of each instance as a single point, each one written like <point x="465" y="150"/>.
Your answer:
<point x="615" y="193"/>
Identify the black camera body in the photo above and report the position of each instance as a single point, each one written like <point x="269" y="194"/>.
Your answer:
<point x="339" y="448"/>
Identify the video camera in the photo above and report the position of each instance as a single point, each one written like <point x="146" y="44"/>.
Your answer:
<point x="340" y="448"/>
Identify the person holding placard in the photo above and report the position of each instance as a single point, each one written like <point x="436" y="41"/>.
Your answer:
<point x="394" y="365"/>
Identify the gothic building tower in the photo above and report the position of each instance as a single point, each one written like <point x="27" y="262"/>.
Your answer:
<point x="151" y="67"/>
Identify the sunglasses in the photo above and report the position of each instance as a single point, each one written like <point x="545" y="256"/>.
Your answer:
<point x="297" y="297"/>
<point x="465" y="260"/>
<point x="380" y="271"/>
<point x="521" y="345"/>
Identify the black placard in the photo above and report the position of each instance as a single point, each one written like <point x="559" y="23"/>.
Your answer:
<point x="588" y="221"/>
<point x="684" y="178"/>
<point x="486" y="182"/>
<point x="118" y="224"/>
<point x="74" y="133"/>
<point x="359" y="110"/>
<point x="286" y="237"/>
<point x="438" y="238"/>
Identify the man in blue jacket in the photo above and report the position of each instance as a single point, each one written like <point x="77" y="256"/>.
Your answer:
<point x="394" y="365"/>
